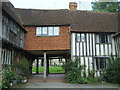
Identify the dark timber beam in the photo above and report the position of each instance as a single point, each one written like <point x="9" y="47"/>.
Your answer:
<point x="47" y="66"/>
<point x="37" y="65"/>
<point x="42" y="62"/>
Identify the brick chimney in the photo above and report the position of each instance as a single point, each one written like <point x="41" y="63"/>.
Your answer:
<point x="73" y="6"/>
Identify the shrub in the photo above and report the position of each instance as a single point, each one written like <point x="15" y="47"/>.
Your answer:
<point x="91" y="74"/>
<point x="73" y="72"/>
<point x="19" y="79"/>
<point x="23" y="67"/>
<point x="8" y="76"/>
<point x="112" y="72"/>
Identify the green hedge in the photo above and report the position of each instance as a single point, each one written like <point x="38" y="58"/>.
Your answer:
<point x="73" y="72"/>
<point x="112" y="72"/>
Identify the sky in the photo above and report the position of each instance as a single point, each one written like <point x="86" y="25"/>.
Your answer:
<point x="51" y="4"/>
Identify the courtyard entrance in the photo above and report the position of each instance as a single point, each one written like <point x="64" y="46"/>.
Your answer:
<point x="54" y="65"/>
<point x="48" y="64"/>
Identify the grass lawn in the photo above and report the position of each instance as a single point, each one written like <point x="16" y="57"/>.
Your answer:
<point x="51" y="69"/>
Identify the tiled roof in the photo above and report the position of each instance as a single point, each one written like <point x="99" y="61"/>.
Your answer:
<point x="43" y="17"/>
<point x="88" y="21"/>
<point x="80" y="21"/>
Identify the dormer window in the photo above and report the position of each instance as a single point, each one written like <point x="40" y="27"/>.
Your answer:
<point x="47" y="31"/>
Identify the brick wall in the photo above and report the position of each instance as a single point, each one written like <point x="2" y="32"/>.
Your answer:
<point x="61" y="42"/>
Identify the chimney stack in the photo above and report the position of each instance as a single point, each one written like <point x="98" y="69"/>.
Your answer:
<point x="73" y="6"/>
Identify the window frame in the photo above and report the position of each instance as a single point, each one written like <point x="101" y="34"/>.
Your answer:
<point x="107" y="37"/>
<point x="80" y="37"/>
<point x="47" y="34"/>
<point x="98" y="62"/>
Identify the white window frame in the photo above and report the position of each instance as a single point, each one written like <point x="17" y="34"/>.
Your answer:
<point x="80" y="37"/>
<point x="40" y="32"/>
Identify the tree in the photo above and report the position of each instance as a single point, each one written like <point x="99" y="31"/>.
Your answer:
<point x="106" y="6"/>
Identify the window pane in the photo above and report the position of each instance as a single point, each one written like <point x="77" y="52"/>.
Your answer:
<point x="47" y="31"/>
<point x="97" y="64"/>
<point x="97" y="38"/>
<point x="38" y="30"/>
<point x="106" y="39"/>
<point x="50" y="31"/>
<point x="82" y="37"/>
<point x="109" y="39"/>
<point x="102" y="38"/>
<point x="78" y="37"/>
<point x="56" y="30"/>
<point x="100" y="63"/>
<point x="44" y="30"/>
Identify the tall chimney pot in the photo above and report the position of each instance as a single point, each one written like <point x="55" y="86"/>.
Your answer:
<point x="73" y="6"/>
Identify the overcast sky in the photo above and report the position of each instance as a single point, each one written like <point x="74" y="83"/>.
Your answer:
<point x="51" y="4"/>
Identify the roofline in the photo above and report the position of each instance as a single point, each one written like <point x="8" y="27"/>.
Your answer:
<point x="89" y="32"/>
<point x="68" y="10"/>
<point x="39" y="9"/>
<point x="47" y="25"/>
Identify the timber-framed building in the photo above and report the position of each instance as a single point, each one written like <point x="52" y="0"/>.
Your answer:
<point x="63" y="33"/>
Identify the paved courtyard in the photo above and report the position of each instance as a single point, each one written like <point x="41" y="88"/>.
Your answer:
<point x="51" y="78"/>
<point x="58" y="81"/>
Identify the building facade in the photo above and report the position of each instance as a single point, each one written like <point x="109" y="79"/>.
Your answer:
<point x="12" y="35"/>
<point x="63" y="34"/>
<point x="93" y="50"/>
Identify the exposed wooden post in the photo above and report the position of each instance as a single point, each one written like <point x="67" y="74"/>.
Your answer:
<point x="66" y="62"/>
<point x="45" y="65"/>
<point x="1" y="43"/>
<point x="31" y="62"/>
<point x="42" y="62"/>
<point x="37" y="64"/>
<point x="50" y="62"/>
<point x="0" y="66"/>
